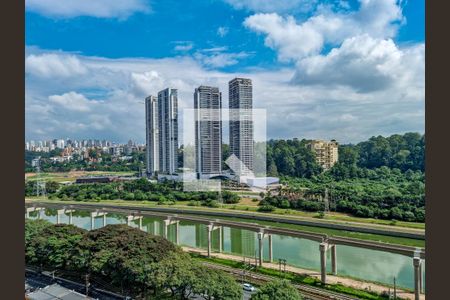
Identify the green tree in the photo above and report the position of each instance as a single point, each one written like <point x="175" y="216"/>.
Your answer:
<point x="216" y="284"/>
<point x="280" y="289"/>
<point x="54" y="245"/>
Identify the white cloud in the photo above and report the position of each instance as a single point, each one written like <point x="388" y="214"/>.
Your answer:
<point x="72" y="101"/>
<point x="146" y="83"/>
<point x="293" y="110"/>
<point x="220" y="59"/>
<point x="365" y="64"/>
<point x="54" y="65"/>
<point x="222" y="31"/>
<point x="215" y="49"/>
<point x="363" y="54"/>
<point x="183" y="46"/>
<point x="284" y="35"/>
<point x="293" y="40"/>
<point x="120" y="9"/>
<point x="273" y="5"/>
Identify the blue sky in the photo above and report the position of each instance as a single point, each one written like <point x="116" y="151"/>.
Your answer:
<point x="329" y="69"/>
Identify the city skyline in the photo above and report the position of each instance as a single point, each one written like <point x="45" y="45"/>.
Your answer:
<point x="327" y="69"/>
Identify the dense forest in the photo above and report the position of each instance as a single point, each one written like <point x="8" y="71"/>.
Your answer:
<point x="382" y="178"/>
<point x="402" y="152"/>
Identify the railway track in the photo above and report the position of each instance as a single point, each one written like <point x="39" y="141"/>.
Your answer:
<point x="307" y="291"/>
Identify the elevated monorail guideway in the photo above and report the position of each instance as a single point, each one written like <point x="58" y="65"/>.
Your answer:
<point x="326" y="243"/>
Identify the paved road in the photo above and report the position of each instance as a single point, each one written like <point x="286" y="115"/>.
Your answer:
<point x="248" y="295"/>
<point x="35" y="280"/>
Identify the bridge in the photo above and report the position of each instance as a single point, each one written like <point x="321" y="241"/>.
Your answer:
<point x="326" y="243"/>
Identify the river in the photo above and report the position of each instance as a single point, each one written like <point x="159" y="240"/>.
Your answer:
<point x="364" y="264"/>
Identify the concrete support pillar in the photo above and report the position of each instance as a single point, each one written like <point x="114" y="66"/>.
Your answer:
<point x="270" y="249"/>
<point x="417" y="262"/>
<point x="59" y="212"/>
<point x="140" y="223"/>
<point x="333" y="260"/>
<point x="323" y="262"/>
<point x="210" y="229"/>
<point x="260" y="247"/>
<point x="166" y="228"/>
<point x="104" y="220"/>
<point x="70" y="217"/>
<point x="156" y="228"/>
<point x="177" y="229"/>
<point x="421" y="278"/>
<point x="220" y="239"/>
<point x="92" y="222"/>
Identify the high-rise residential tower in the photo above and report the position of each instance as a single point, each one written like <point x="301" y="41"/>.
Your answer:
<point x="168" y="130"/>
<point x="151" y="134"/>
<point x="240" y="94"/>
<point x="208" y="131"/>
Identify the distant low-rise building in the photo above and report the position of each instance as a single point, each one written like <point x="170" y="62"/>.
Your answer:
<point x="326" y="152"/>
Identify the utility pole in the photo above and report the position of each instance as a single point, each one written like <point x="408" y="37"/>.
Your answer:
<point x="395" y="290"/>
<point x="243" y="271"/>
<point x="220" y="194"/>
<point x="87" y="284"/>
<point x="282" y="266"/>
<point x="40" y="183"/>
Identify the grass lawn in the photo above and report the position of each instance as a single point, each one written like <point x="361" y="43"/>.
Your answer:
<point x="72" y="175"/>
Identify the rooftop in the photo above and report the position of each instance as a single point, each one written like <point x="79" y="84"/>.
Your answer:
<point x="55" y="291"/>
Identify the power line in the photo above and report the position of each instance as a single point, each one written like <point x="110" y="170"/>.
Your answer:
<point x="40" y="183"/>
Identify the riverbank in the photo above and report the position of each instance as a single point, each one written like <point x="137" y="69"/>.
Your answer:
<point x="314" y="225"/>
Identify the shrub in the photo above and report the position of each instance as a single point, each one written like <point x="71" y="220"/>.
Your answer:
<point x="212" y="203"/>
<point x="266" y="208"/>
<point x="194" y="203"/>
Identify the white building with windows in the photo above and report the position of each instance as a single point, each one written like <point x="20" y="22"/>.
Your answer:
<point x="168" y="130"/>
<point x="240" y="93"/>
<point x="152" y="135"/>
<point x="208" y="131"/>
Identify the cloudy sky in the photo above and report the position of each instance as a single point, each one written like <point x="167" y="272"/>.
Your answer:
<point x="321" y="68"/>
